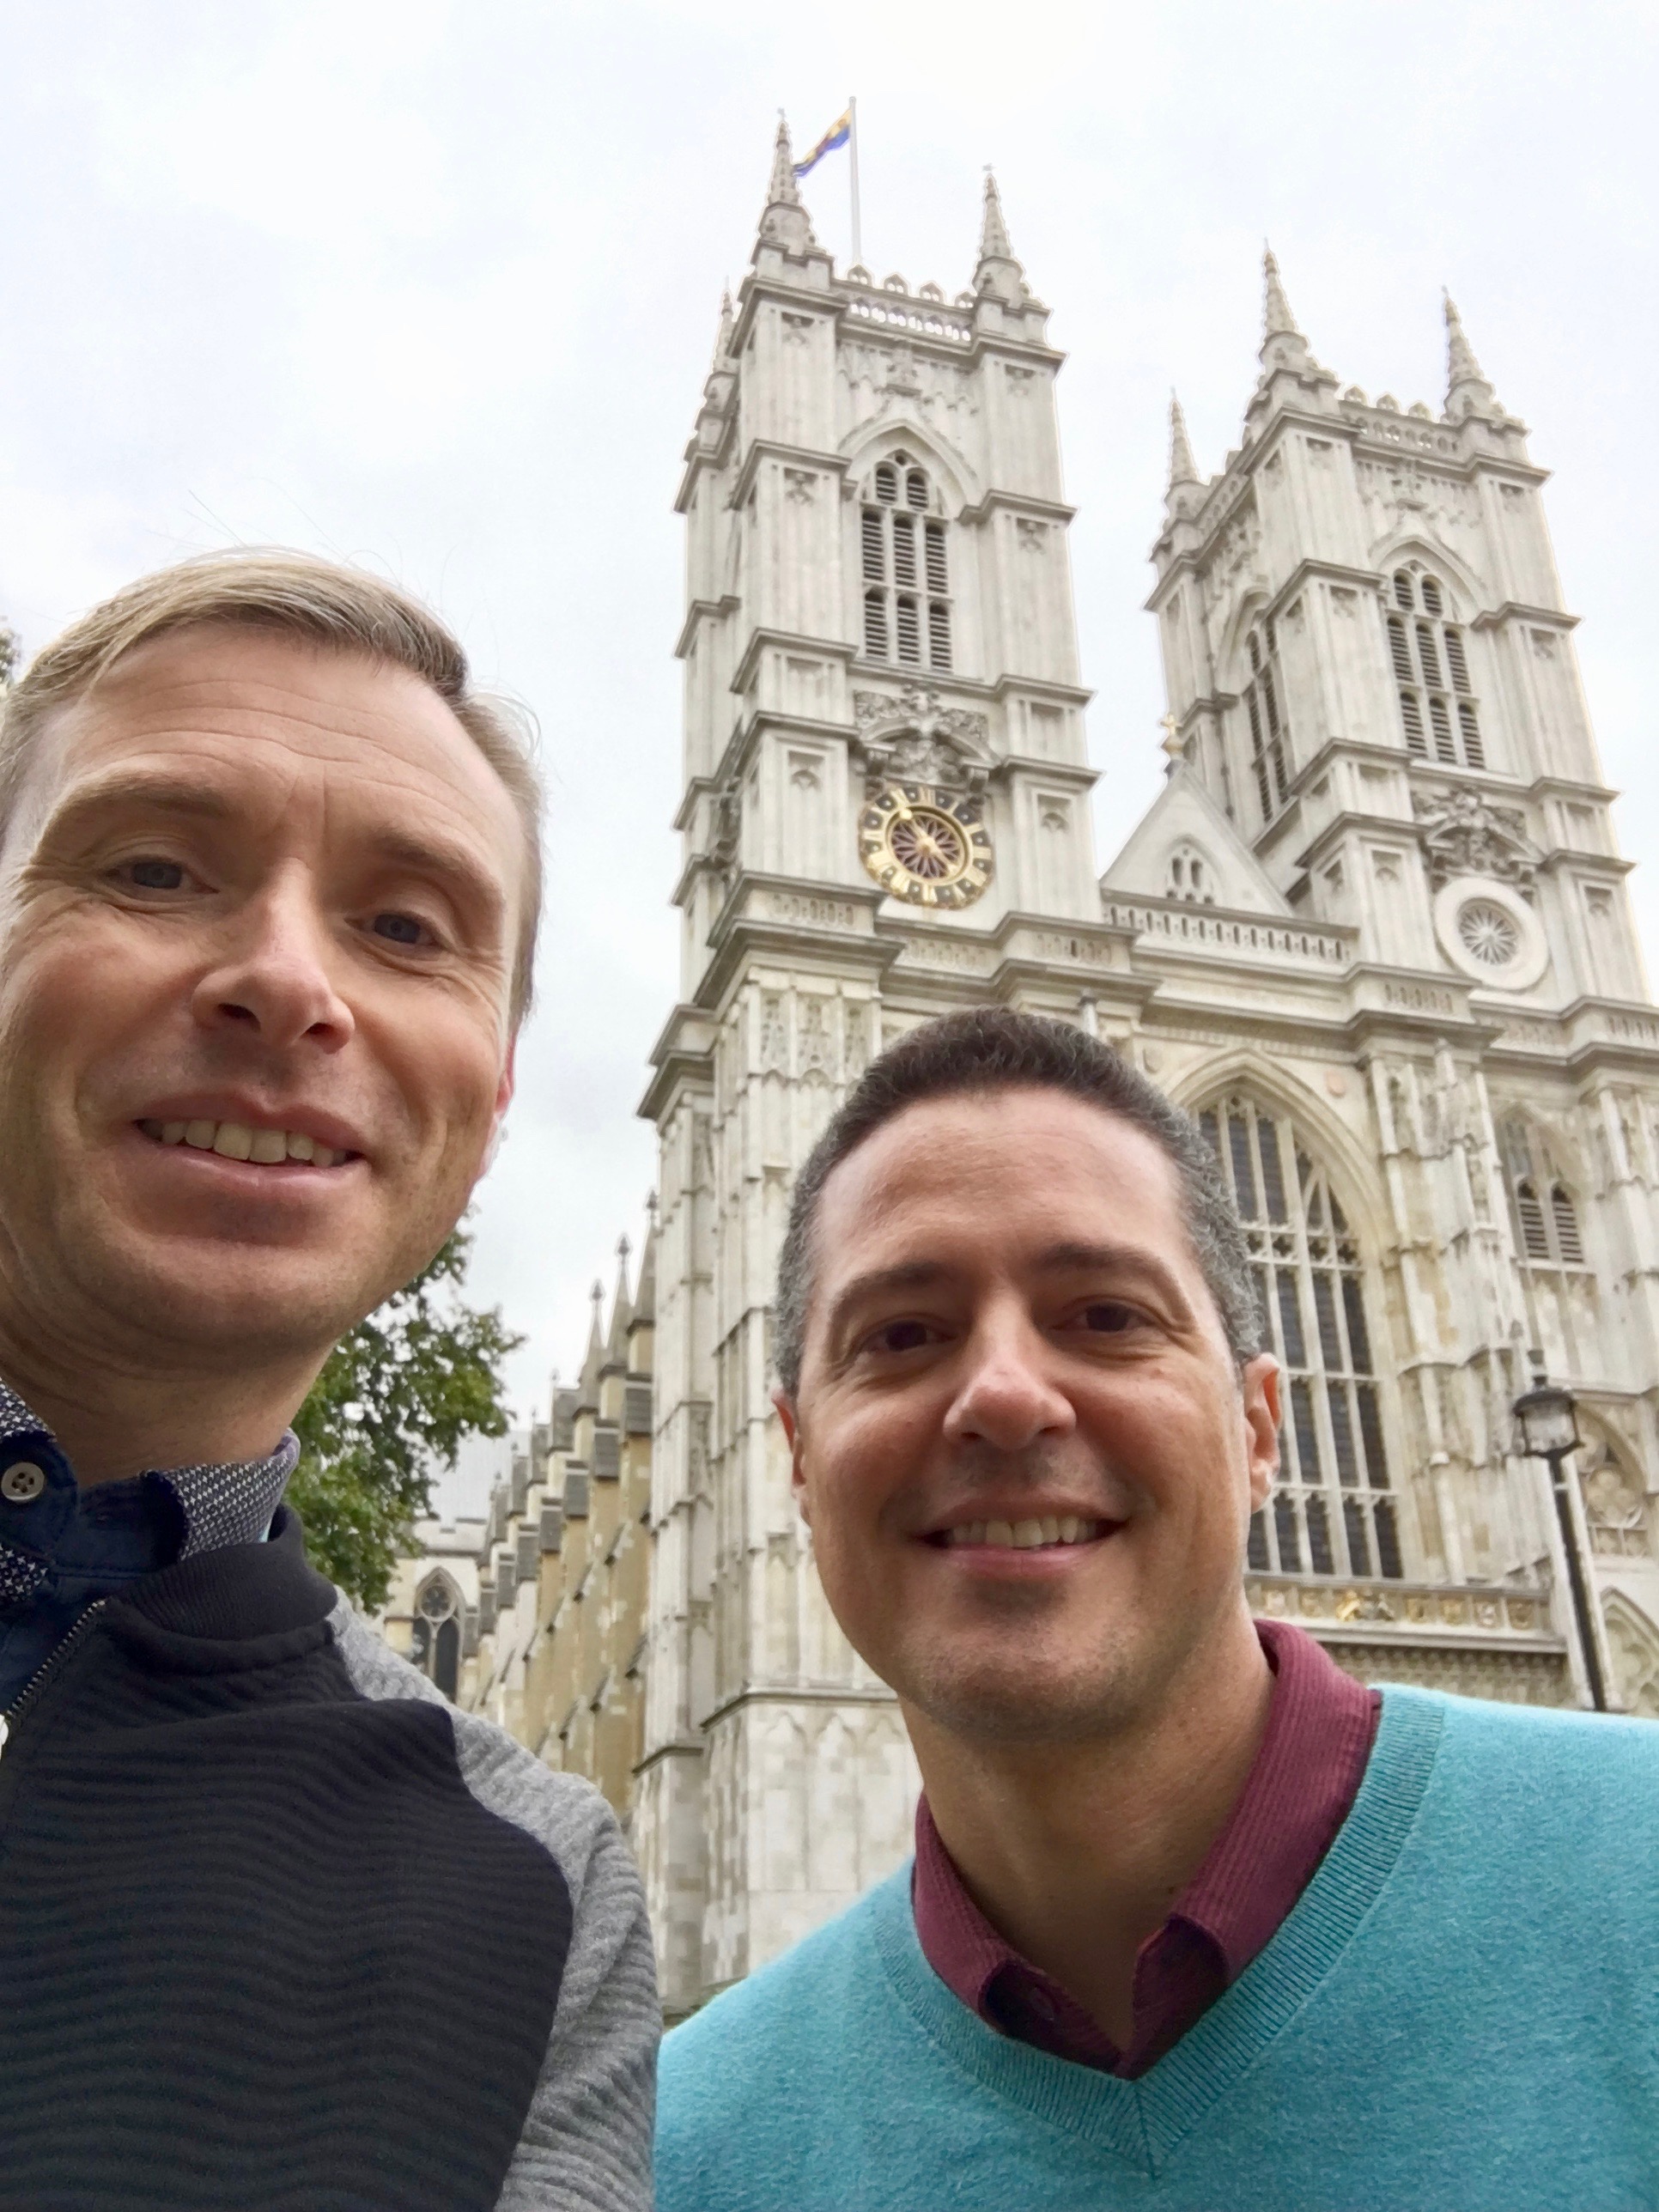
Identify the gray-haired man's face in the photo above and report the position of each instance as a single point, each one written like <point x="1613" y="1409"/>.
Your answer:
<point x="257" y="912"/>
<point x="1025" y="1451"/>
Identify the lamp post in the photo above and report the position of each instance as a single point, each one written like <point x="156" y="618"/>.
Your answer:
<point x="1546" y="1430"/>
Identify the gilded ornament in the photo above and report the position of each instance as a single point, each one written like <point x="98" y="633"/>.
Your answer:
<point x="925" y="845"/>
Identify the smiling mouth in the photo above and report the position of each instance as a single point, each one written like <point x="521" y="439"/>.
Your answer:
<point x="241" y="1140"/>
<point x="1050" y="1533"/>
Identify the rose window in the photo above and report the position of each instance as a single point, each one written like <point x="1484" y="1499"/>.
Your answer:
<point x="1488" y="933"/>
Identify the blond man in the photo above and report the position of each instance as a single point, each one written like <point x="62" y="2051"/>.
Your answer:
<point x="278" y="1927"/>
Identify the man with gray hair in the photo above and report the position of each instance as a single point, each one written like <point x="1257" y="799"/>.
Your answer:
<point x="1194" y="1920"/>
<point x="278" y="1927"/>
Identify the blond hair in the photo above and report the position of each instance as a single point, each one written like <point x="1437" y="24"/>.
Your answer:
<point x="319" y="602"/>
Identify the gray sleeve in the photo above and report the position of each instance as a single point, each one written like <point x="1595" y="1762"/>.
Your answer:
<point x="586" y="2138"/>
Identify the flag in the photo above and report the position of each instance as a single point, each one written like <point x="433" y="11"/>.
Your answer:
<point x="836" y="135"/>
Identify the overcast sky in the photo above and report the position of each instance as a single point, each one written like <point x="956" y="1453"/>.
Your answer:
<point x="434" y="287"/>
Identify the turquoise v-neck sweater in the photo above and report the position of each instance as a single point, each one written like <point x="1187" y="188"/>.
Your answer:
<point x="1463" y="2009"/>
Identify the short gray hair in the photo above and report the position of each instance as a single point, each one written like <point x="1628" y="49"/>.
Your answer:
<point x="994" y="1048"/>
<point x="319" y="603"/>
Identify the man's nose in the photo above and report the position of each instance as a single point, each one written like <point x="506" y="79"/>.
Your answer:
<point x="276" y="975"/>
<point x="1008" y="1397"/>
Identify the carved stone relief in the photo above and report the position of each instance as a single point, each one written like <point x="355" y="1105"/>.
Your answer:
<point x="1464" y="835"/>
<point x="915" y="738"/>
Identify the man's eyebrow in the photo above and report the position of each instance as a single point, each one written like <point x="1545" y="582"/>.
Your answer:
<point x="876" y="1282"/>
<point x="166" y="793"/>
<point x="441" y="856"/>
<point x="1071" y="1257"/>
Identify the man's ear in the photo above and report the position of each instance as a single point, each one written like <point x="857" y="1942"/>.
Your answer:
<point x="498" y="1114"/>
<point x="790" y="1419"/>
<point x="1258" y="1383"/>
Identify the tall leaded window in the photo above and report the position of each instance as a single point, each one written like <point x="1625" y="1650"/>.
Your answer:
<point x="904" y="563"/>
<point x="1542" y="1213"/>
<point x="1269" y="731"/>
<point x="1333" y="1511"/>
<point x="435" y="1636"/>
<point x="1439" y="710"/>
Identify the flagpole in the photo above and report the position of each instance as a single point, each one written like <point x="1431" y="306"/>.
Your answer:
<point x="853" y="149"/>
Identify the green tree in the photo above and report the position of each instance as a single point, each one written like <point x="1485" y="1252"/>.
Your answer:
<point x="390" y="1407"/>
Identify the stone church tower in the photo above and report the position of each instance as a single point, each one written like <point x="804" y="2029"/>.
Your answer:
<point x="1374" y="933"/>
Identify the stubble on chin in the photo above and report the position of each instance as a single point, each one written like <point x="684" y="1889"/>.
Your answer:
<point x="1015" y="1683"/>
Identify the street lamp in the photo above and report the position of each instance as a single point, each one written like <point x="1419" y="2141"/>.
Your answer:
<point x="1546" y="1430"/>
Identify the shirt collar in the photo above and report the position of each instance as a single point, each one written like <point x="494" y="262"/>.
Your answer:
<point x="222" y="1502"/>
<point x="1297" y="1796"/>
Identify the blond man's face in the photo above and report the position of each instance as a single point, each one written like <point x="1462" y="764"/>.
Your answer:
<point x="258" y="908"/>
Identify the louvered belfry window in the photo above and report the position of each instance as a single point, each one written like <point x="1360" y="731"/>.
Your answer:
<point x="905" y="568"/>
<point x="1438" y="711"/>
<point x="1542" y="1210"/>
<point x="1333" y="1511"/>
<point x="1269" y="731"/>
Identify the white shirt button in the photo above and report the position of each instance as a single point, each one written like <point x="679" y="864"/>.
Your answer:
<point x="23" y="1482"/>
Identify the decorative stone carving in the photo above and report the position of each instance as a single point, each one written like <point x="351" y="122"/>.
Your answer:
<point x="1463" y="834"/>
<point x="916" y="738"/>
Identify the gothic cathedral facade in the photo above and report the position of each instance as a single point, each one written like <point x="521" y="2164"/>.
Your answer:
<point x="1374" y="933"/>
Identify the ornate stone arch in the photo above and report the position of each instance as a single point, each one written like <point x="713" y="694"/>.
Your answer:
<point x="1403" y="546"/>
<point x="1243" y="1067"/>
<point x="904" y="432"/>
<point x="435" y="1633"/>
<point x="1335" y="1510"/>
<point x="1635" y="1644"/>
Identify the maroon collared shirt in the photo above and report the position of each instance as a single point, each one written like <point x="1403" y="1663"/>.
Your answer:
<point x="1320" y="1726"/>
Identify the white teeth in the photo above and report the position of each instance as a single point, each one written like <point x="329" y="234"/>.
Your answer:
<point x="236" y="1140"/>
<point x="1024" y="1535"/>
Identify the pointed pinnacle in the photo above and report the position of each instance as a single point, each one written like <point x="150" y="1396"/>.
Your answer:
<point x="723" y="338"/>
<point x="783" y="192"/>
<point x="1182" y="468"/>
<point x="993" y="231"/>
<point x="1461" y="366"/>
<point x="1277" y="320"/>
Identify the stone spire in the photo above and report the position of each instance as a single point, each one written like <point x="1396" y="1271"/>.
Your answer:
<point x="622" y="1313"/>
<point x="10" y="651"/>
<point x="587" y="1384"/>
<point x="1467" y="391"/>
<point x="1183" y="470"/>
<point x="999" y="274"/>
<point x="1277" y="320"/>
<point x="723" y="338"/>
<point x="785" y="222"/>
<point x="645" y="1297"/>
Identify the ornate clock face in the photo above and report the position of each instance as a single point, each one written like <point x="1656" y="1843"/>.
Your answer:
<point x="928" y="846"/>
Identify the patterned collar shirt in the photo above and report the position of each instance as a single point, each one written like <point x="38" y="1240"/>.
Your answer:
<point x="64" y="1549"/>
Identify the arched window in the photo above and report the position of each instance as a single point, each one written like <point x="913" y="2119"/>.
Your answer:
<point x="1543" y="1212"/>
<point x="1333" y="1512"/>
<point x="1190" y="877"/>
<point x="1269" y="732"/>
<point x="905" y="566"/>
<point x="1437" y="707"/>
<point x="435" y="1635"/>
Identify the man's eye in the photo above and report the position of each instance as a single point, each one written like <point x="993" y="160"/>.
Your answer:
<point x="900" y="1336"/>
<point x="1109" y="1318"/>
<point x="155" y="875"/>
<point x="401" y="928"/>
